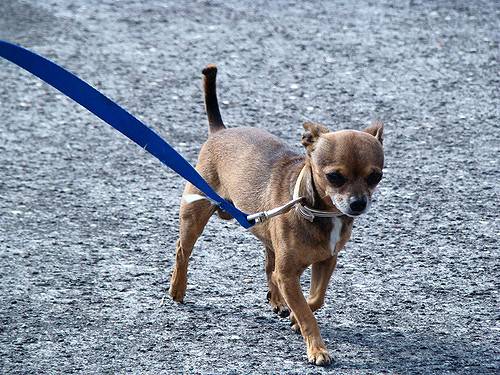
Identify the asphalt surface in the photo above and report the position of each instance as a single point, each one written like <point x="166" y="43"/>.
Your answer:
<point x="88" y="220"/>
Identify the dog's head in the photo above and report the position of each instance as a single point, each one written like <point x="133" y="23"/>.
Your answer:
<point x="346" y="165"/>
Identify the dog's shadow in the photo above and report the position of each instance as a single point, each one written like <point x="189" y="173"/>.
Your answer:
<point x="383" y="349"/>
<point x="373" y="348"/>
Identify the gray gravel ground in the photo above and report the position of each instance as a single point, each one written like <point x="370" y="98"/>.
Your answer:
<point x="88" y="220"/>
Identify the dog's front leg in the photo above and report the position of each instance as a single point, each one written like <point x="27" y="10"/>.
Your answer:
<point x="289" y="285"/>
<point x="320" y="277"/>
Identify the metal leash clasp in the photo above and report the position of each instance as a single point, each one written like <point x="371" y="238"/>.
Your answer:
<point x="260" y="217"/>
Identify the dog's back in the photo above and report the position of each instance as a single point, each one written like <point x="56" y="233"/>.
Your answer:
<point x="224" y="158"/>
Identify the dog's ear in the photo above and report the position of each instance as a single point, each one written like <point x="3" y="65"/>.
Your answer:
<point x="377" y="130"/>
<point x="311" y="135"/>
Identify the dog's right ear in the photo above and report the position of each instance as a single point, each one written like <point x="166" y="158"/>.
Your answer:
<point x="311" y="135"/>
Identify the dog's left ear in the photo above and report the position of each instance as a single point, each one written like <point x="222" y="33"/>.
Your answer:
<point x="311" y="135"/>
<point x="377" y="130"/>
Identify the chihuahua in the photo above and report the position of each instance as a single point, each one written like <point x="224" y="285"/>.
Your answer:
<point x="257" y="171"/>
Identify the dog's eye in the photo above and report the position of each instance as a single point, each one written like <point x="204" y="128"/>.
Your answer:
<point x="374" y="178"/>
<point x="336" y="179"/>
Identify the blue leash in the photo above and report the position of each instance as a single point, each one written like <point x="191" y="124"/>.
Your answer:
<point x="107" y="110"/>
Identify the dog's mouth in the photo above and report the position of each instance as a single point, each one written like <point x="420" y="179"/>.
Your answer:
<point x="343" y="207"/>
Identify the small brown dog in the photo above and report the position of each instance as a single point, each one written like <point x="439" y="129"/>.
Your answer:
<point x="256" y="171"/>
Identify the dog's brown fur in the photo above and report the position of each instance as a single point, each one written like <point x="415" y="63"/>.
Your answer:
<point x="257" y="171"/>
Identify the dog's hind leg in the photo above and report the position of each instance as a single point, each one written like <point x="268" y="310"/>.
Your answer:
<point x="274" y="296"/>
<point x="193" y="218"/>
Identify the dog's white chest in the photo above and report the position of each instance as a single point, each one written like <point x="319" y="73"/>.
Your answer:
<point x="335" y="235"/>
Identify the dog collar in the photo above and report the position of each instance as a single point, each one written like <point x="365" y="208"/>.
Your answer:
<point x="309" y="213"/>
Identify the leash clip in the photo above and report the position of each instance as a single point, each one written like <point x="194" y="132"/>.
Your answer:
<point x="260" y="217"/>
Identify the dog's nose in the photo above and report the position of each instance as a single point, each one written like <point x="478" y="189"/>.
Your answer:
<point x="357" y="204"/>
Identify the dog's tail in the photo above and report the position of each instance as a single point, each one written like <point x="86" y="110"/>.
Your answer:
<point x="211" y="105"/>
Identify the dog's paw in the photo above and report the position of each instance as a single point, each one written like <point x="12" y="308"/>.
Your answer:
<point x="177" y="289"/>
<point x="178" y="284"/>
<point x="176" y="296"/>
<point x="319" y="356"/>
<point x="278" y="305"/>
<point x="283" y="311"/>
